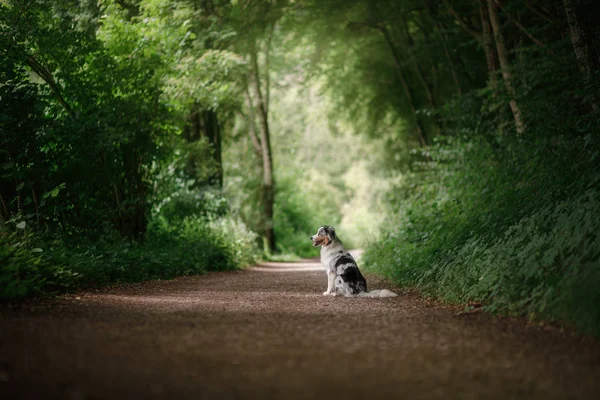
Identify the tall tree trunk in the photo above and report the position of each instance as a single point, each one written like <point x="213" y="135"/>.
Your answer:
<point x="202" y="122"/>
<point x="212" y="132"/>
<point x="582" y="47"/>
<point x="505" y="66"/>
<point x="405" y="86"/>
<point x="268" y="185"/>
<point x="487" y="41"/>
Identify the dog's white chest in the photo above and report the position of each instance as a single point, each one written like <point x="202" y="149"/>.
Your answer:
<point x="329" y="253"/>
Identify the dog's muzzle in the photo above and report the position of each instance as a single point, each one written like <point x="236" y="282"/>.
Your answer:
<point x="318" y="240"/>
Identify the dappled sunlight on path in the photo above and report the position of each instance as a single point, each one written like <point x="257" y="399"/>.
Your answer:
<point x="287" y="267"/>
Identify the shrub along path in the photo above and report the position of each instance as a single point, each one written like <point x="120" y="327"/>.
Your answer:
<point x="267" y="332"/>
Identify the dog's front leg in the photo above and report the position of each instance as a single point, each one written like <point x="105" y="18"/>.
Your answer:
<point x="330" y="284"/>
<point x="328" y="291"/>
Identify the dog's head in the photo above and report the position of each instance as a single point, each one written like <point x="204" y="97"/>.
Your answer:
<point x="325" y="235"/>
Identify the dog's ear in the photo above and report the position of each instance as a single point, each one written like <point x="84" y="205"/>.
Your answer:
<point x="330" y="233"/>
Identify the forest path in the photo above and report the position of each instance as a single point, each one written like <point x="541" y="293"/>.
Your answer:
<point x="268" y="333"/>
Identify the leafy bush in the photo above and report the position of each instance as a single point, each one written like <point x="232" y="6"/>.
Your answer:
<point x="22" y="266"/>
<point x="238" y="239"/>
<point x="193" y="246"/>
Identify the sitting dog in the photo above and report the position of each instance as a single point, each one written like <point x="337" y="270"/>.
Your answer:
<point x="343" y="275"/>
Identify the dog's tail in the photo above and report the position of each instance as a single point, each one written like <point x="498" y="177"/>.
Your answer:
<point x="378" y="293"/>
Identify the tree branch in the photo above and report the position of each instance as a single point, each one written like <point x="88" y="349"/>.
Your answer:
<point x="539" y="12"/>
<point x="521" y="27"/>
<point x="43" y="73"/>
<point x="465" y="24"/>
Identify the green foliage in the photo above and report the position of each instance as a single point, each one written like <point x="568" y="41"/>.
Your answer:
<point x="489" y="212"/>
<point x="325" y="172"/>
<point x="237" y="239"/>
<point x="182" y="184"/>
<point x="91" y="99"/>
<point x="476" y="225"/>
<point x="118" y="120"/>
<point x="22" y="264"/>
<point x="62" y="264"/>
<point x="89" y="114"/>
<point x="299" y="213"/>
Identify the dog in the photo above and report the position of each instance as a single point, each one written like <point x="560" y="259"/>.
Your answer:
<point x="343" y="275"/>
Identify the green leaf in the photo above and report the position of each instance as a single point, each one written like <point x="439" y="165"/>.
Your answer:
<point x="20" y="186"/>
<point x="21" y="225"/>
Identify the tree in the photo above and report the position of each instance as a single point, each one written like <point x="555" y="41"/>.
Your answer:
<point x="257" y="21"/>
<point x="583" y="47"/>
<point x="502" y="52"/>
<point x="260" y="101"/>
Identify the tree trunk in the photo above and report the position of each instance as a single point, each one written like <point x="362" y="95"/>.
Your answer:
<point x="405" y="86"/>
<point x="505" y="66"/>
<point x="251" y="125"/>
<point x="265" y="141"/>
<point x="212" y="132"/>
<point x="582" y="47"/>
<point x="487" y="41"/>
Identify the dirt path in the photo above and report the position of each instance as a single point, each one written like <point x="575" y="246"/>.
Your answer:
<point x="268" y="333"/>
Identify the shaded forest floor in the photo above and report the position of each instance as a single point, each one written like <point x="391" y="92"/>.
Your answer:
<point x="267" y="332"/>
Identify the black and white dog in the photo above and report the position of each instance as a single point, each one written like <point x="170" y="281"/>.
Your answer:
<point x="343" y="275"/>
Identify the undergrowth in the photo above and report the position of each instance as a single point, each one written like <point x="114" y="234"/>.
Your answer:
<point x="513" y="225"/>
<point x="38" y="264"/>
